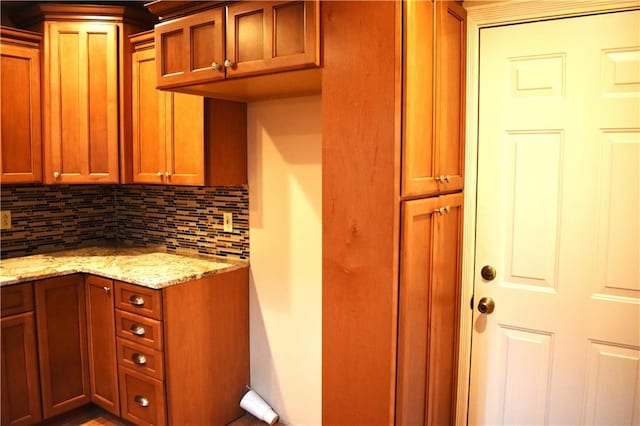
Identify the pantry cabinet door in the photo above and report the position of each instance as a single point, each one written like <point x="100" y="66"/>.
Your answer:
<point x="430" y="283"/>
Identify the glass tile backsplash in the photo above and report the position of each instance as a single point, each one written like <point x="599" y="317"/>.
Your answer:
<point x="49" y="218"/>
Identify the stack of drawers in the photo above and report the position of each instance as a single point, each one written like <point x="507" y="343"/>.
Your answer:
<point x="139" y="331"/>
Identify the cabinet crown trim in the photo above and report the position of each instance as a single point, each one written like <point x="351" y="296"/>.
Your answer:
<point x="71" y="12"/>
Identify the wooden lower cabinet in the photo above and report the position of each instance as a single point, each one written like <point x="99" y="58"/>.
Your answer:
<point x="178" y="356"/>
<point x="142" y="398"/>
<point x="429" y="300"/>
<point x="20" y="379"/>
<point x="101" y="343"/>
<point x="62" y="343"/>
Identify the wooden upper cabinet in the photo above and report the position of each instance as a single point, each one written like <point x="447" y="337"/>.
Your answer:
<point x="20" y="135"/>
<point x="433" y="97"/>
<point x="81" y="114"/>
<point x="191" y="49"/>
<point x="271" y="36"/>
<point x="183" y="139"/>
<point x="86" y="88"/>
<point x="241" y="39"/>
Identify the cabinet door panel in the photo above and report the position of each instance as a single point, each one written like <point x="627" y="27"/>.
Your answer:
<point x="148" y="146"/>
<point x="81" y="143"/>
<point x="101" y="336"/>
<point x="428" y="312"/>
<point x="450" y="93"/>
<point x="184" y="139"/>
<point x="142" y="398"/>
<point x="271" y="36"/>
<point x="16" y="299"/>
<point x="20" y="135"/>
<point x="62" y="344"/>
<point x="418" y="153"/>
<point x="20" y="378"/>
<point x="188" y="47"/>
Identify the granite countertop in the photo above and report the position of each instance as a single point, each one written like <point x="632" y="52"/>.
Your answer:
<point x="148" y="267"/>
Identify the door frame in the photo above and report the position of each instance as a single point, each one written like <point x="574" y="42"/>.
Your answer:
<point x="483" y="14"/>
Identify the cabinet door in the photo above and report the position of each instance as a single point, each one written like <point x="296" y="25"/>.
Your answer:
<point x="20" y="379"/>
<point x="81" y="103"/>
<point x="267" y="36"/>
<point x="428" y="314"/>
<point x="450" y="93"/>
<point x="20" y="135"/>
<point x="149" y="154"/>
<point x="433" y="97"/>
<point x="62" y="344"/>
<point x="418" y="149"/>
<point x="190" y="49"/>
<point x="184" y="139"/>
<point x="101" y="337"/>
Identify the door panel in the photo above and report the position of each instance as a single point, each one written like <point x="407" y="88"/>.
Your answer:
<point x="558" y="216"/>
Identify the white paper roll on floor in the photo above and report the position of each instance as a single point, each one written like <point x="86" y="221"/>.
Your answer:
<point x="253" y="403"/>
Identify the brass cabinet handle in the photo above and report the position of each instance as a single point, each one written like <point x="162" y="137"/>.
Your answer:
<point x="139" y="359"/>
<point x="141" y="401"/>
<point x="106" y="289"/>
<point x="167" y="174"/>
<point x="228" y="64"/>
<point x="136" y="329"/>
<point x="216" y="66"/>
<point x="56" y="175"/>
<point x="136" y="300"/>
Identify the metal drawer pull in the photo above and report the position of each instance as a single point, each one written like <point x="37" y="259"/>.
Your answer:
<point x="136" y="329"/>
<point x="141" y="401"/>
<point x="136" y="300"/>
<point x="106" y="289"/>
<point x="139" y="359"/>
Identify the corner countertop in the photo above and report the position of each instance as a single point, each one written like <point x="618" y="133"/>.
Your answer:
<point x="148" y="267"/>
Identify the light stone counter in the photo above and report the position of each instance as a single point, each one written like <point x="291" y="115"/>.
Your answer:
<point x="147" y="267"/>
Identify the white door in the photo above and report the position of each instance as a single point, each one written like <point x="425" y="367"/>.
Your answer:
<point x="558" y="216"/>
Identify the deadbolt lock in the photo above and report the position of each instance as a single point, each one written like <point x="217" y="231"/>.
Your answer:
<point x="488" y="272"/>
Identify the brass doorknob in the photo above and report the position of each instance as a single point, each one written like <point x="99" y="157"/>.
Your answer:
<point x="486" y="305"/>
<point x="488" y="272"/>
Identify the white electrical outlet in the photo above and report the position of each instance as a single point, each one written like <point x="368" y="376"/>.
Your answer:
<point x="5" y="219"/>
<point x="227" y="221"/>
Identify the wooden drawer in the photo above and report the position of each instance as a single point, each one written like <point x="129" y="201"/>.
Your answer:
<point x="139" y="300"/>
<point x="149" y="331"/>
<point x="142" y="399"/>
<point x="140" y="358"/>
<point x="16" y="299"/>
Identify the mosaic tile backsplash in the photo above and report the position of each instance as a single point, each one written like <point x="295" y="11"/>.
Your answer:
<point x="48" y="218"/>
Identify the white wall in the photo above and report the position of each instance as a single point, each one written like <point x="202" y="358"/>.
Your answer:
<point x="285" y="221"/>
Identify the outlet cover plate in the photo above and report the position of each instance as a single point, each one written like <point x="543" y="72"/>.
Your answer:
<point x="227" y="221"/>
<point x="5" y="219"/>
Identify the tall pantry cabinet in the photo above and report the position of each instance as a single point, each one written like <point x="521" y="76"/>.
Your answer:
<point x="392" y="211"/>
<point x="87" y="85"/>
<point x="431" y="213"/>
